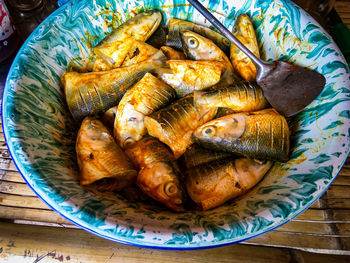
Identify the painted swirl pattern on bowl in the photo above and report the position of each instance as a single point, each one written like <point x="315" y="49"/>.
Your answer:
<point x="40" y="132"/>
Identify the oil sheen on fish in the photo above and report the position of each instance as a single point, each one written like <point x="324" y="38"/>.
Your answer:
<point x="239" y="96"/>
<point x="215" y="183"/>
<point x="101" y="161"/>
<point x="177" y="25"/>
<point x="197" y="47"/>
<point x="196" y="155"/>
<point x="160" y="175"/>
<point x="172" y="54"/>
<point x="262" y="135"/>
<point x="244" y="31"/>
<point x="116" y="45"/>
<point x="94" y="93"/>
<point x="188" y="75"/>
<point x="139" y="51"/>
<point x="174" y="124"/>
<point x="146" y="96"/>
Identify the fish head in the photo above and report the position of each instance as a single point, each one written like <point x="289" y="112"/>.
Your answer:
<point x="251" y="171"/>
<point x="226" y="128"/>
<point x="195" y="46"/>
<point x="95" y="130"/>
<point x="160" y="181"/>
<point x="129" y="125"/>
<point x="149" y="20"/>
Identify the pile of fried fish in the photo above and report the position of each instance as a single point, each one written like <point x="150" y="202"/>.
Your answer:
<point x="173" y="110"/>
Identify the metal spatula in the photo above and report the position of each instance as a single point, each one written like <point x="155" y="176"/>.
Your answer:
<point x="288" y="88"/>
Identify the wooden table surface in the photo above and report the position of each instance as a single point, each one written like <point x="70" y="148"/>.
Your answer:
<point x="31" y="232"/>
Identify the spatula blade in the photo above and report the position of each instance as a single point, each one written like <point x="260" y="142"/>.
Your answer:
<point x="289" y="88"/>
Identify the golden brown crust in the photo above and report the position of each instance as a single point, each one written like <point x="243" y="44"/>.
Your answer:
<point x="213" y="184"/>
<point x="138" y="52"/>
<point x="244" y="31"/>
<point x="160" y="175"/>
<point x="99" y="156"/>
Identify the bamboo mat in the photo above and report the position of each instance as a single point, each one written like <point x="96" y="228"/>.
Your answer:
<point x="31" y="232"/>
<point x="343" y="9"/>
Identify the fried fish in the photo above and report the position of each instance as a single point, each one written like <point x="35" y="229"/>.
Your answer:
<point x="262" y="135"/>
<point x="100" y="159"/>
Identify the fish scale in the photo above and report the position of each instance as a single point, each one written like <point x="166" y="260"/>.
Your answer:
<point x="174" y="124"/>
<point x="196" y="155"/>
<point x="108" y="86"/>
<point x="138" y="101"/>
<point x="240" y="96"/>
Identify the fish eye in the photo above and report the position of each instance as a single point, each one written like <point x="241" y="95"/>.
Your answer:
<point x="192" y="42"/>
<point x="227" y="42"/>
<point x="128" y="142"/>
<point x="132" y="119"/>
<point x="170" y="189"/>
<point x="209" y="131"/>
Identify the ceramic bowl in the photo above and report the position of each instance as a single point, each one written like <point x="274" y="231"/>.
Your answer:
<point x="40" y="132"/>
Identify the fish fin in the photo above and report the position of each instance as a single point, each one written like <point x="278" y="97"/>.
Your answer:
<point x="158" y="60"/>
<point x="159" y="72"/>
<point x="158" y="57"/>
<point x="228" y="77"/>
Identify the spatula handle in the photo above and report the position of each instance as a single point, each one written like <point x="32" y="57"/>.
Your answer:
<point x="226" y="33"/>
